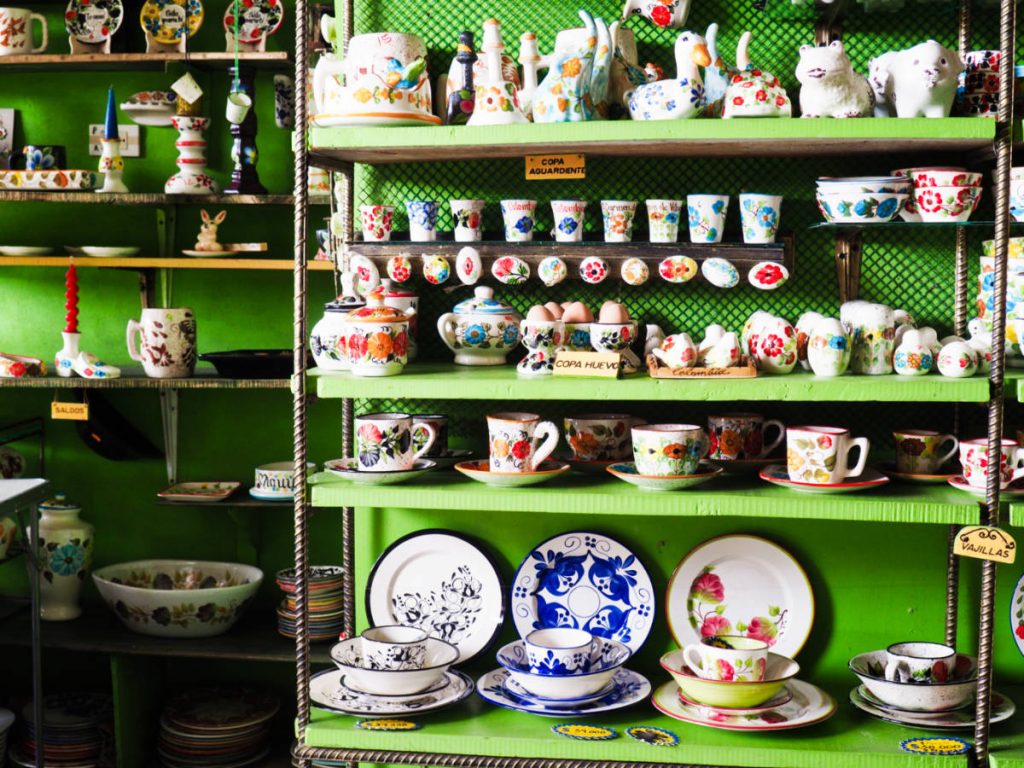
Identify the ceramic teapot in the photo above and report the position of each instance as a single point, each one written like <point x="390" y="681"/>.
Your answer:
<point x="378" y="337"/>
<point x="578" y="72"/>
<point x="480" y="330"/>
<point x="328" y="340"/>
<point x="661" y="13"/>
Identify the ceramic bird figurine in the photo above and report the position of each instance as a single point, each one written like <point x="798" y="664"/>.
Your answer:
<point x="752" y="92"/>
<point x="679" y="98"/>
<point x="399" y="77"/>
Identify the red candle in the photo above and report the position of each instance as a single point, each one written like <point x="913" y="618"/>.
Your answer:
<point x="71" y="299"/>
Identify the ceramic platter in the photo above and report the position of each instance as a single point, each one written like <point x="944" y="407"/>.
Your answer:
<point x="257" y="19"/>
<point x="1002" y="708"/>
<point x="25" y="250"/>
<point x="169" y="21"/>
<point x="889" y="468"/>
<point x="199" y="492"/>
<point x="1013" y="491"/>
<point x="1017" y="615"/>
<point x="741" y="585"/>
<point x="349" y="469"/>
<point x="442" y="583"/>
<point x="396" y="118"/>
<point x="93" y="21"/>
<point x="628" y="688"/>
<point x="585" y="580"/>
<point x="809" y="705"/>
<point x="777" y="474"/>
<point x="327" y="692"/>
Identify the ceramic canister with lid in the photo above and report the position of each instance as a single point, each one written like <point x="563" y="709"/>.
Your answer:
<point x="481" y="330"/>
<point x="329" y="336"/>
<point x="65" y="544"/>
<point x="378" y="337"/>
<point x="403" y="299"/>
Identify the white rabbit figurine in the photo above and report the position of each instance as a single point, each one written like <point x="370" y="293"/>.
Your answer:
<point x="208" y="232"/>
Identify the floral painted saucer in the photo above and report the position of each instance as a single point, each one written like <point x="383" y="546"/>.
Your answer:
<point x="777" y="474"/>
<point x="95" y="21"/>
<point x="481" y="472"/>
<point x="349" y="469"/>
<point x="257" y="19"/>
<point x="626" y="470"/>
<point x="745" y="466"/>
<point x="1012" y="491"/>
<point x="327" y="692"/>
<point x="782" y="697"/>
<point x="889" y="468"/>
<point x="629" y="688"/>
<point x="199" y="492"/>
<point x="809" y="705"/>
<point x="1002" y="708"/>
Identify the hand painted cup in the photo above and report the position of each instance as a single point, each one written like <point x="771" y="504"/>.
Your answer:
<point x="16" y="31"/>
<point x="741" y="436"/>
<point x="439" y="423"/>
<point x="168" y="348"/>
<point x="394" y="647"/>
<point x="919" y="662"/>
<point x="974" y="462"/>
<point x="669" y="450"/>
<point x="706" y="216"/>
<point x="600" y="436"/>
<point x="821" y="455"/>
<point x="919" y="451"/>
<point x="559" y="651"/>
<point x="278" y="479"/>
<point x="617" y="217"/>
<point x="422" y="220"/>
<point x="729" y="658"/>
<point x="543" y="338"/>
<point x="468" y="217"/>
<point x="569" y="219"/>
<point x="760" y="216"/>
<point x="385" y="442"/>
<point x="519" y="442"/>
<point x="519" y="217"/>
<point x="377" y="221"/>
<point x="663" y="220"/>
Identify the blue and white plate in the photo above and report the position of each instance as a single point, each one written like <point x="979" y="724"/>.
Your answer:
<point x="629" y="688"/>
<point x="584" y="580"/>
<point x="327" y="692"/>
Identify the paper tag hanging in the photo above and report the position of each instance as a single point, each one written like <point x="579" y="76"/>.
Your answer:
<point x="187" y="88"/>
<point x="985" y="543"/>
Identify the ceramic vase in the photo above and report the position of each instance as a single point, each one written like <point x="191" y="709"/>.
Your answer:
<point x="65" y="544"/>
<point x="191" y="178"/>
<point x="112" y="167"/>
<point x="828" y="348"/>
<point x="872" y="330"/>
<point x="913" y="358"/>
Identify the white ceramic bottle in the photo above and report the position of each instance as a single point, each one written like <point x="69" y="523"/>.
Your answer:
<point x="65" y="544"/>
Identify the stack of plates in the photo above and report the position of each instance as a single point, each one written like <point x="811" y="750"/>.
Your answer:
<point x="222" y="726"/>
<point x="326" y="609"/>
<point x="71" y="731"/>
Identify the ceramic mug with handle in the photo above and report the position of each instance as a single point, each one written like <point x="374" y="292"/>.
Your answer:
<point x="919" y="662"/>
<point x="600" y="436"/>
<point x="974" y="462"/>
<point x="519" y="442"/>
<point x="385" y="442"/>
<point x="669" y="450"/>
<point x="919" y="451"/>
<point x="821" y="455"/>
<point x="16" y="32"/>
<point x="168" y="348"/>
<point x="729" y="658"/>
<point x="741" y="436"/>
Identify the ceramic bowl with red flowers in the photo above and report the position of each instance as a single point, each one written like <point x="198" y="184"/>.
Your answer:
<point x="945" y="177"/>
<point x="947" y="204"/>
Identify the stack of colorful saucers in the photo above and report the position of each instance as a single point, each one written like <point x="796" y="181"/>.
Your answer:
<point x="71" y="731"/>
<point x="216" y="726"/>
<point x="326" y="608"/>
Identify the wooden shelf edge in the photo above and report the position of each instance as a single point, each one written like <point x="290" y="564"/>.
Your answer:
<point x="171" y="262"/>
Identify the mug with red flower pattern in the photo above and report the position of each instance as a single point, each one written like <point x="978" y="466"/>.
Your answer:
<point x="377" y="222"/>
<point x="821" y="455"/>
<point x="729" y="658"/>
<point x="519" y="442"/>
<point x="668" y="450"/>
<point x="919" y="662"/>
<point x="974" y="462"/>
<point x="600" y="436"/>
<point x="468" y="217"/>
<point x="387" y="442"/>
<point x="741" y="436"/>
<point x="919" y="451"/>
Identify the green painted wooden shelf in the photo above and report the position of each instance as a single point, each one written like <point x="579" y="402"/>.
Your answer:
<point x="447" y="381"/>
<point x="574" y="493"/>
<point x="334" y="147"/>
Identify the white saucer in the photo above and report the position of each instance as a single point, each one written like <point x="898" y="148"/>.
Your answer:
<point x="206" y="254"/>
<point x="25" y="250"/>
<point x="481" y="472"/>
<point x="326" y="692"/>
<point x="1012" y="491"/>
<point x="629" y="688"/>
<point x="1002" y="708"/>
<point x="267" y="497"/>
<point x="349" y="469"/>
<point x="777" y="474"/>
<point x="626" y="470"/>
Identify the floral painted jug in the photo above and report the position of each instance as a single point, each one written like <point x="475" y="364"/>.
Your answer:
<point x="65" y="545"/>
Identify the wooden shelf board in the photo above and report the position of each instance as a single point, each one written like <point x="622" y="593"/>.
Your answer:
<point x="171" y="262"/>
<point x="134" y="378"/>
<point x="216" y="60"/>
<point x="140" y="198"/>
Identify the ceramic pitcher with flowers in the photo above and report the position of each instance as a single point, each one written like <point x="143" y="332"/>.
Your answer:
<point x="64" y="552"/>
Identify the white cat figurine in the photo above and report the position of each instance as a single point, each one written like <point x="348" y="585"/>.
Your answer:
<point x="829" y="87"/>
<point x="917" y="82"/>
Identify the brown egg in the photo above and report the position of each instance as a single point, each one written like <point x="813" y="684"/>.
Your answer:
<point x="539" y="312"/>
<point x="613" y="312"/>
<point x="578" y="312"/>
<point x="555" y="309"/>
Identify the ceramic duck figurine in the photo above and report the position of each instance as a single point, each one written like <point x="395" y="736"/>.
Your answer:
<point x="716" y="74"/>
<point x="675" y="99"/>
<point x="753" y="92"/>
<point x="569" y="92"/>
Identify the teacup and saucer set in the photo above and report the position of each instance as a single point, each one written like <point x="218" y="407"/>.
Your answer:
<point x="598" y="440"/>
<point x="519" y="444"/>
<point x="920" y="458"/>
<point x="974" y="463"/>
<point x="738" y="442"/>
<point x="667" y="457"/>
<point x="818" y="461"/>
<point x="388" y="450"/>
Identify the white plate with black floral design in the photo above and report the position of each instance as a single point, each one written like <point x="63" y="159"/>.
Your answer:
<point x="588" y="581"/>
<point x="350" y="470"/>
<point x="327" y="692"/>
<point x="442" y="583"/>
<point x="628" y="688"/>
<point x="741" y="585"/>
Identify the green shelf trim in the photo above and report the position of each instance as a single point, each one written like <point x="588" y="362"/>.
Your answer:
<point x="724" y="496"/>
<point x="447" y="381"/>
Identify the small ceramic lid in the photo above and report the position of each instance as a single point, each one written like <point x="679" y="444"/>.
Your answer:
<point x="483" y="303"/>
<point x="348" y="299"/>
<point x="391" y="292"/>
<point x="376" y="311"/>
<point x="59" y="503"/>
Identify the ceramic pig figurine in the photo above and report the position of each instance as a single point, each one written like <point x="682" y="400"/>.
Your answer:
<point x="917" y="82"/>
<point x="829" y="87"/>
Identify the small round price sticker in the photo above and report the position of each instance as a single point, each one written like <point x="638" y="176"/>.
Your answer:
<point x="386" y="724"/>
<point x="657" y="737"/>
<point x="935" y="745"/>
<point x="584" y="732"/>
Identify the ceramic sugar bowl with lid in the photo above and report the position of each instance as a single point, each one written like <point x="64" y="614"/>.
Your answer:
<point x="403" y="299"/>
<point x="328" y="341"/>
<point x="378" y="337"/>
<point x="480" y="330"/>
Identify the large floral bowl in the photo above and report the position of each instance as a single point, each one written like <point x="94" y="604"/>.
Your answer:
<point x="956" y="692"/>
<point x="178" y="598"/>
<point x="863" y="184"/>
<point x="606" y="658"/>
<point x="947" y="203"/>
<point x="728" y="693"/>
<point x="860" y="207"/>
<point x="348" y="657"/>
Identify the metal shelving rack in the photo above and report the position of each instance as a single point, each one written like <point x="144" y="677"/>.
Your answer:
<point x="848" y="273"/>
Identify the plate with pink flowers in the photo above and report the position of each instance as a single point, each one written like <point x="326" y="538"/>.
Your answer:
<point x="741" y="585"/>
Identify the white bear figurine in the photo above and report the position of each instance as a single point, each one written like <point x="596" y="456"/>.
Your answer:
<point x="918" y="82"/>
<point x="828" y="85"/>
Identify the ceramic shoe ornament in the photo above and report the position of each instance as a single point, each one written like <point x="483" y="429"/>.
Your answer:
<point x="675" y="99"/>
<point x="496" y="100"/>
<point x="88" y="366"/>
<point x="468" y="265"/>
<point x="661" y="13"/>
<point x="577" y="77"/>
<point x="552" y="270"/>
<point x="480" y="330"/>
<point x="543" y="335"/>
<point x="917" y="82"/>
<point x="752" y="92"/>
<point x="957" y="360"/>
<point x="828" y="348"/>
<point x="913" y="358"/>
<point x="829" y="86"/>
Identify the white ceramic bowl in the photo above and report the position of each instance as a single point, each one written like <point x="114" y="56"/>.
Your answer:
<point x="947" y="203"/>
<point x="860" y="208"/>
<point x="945" y="177"/>
<point x="605" y="660"/>
<point x="347" y="656"/>
<point x="864" y="184"/>
<point x="915" y="697"/>
<point x="732" y="695"/>
<point x="178" y="598"/>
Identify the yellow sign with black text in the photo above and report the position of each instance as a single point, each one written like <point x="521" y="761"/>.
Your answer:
<point x="551" y="167"/>
<point x="985" y="543"/>
<point x="69" y="411"/>
<point x="603" y="365"/>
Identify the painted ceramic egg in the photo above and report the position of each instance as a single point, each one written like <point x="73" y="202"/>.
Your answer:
<point x="552" y="271"/>
<point x="593" y="270"/>
<point x="436" y="269"/>
<point x="510" y="270"/>
<point x="767" y="275"/>
<point x="468" y="265"/>
<point x="366" y="273"/>
<point x="678" y="269"/>
<point x="634" y="271"/>
<point x="399" y="268"/>
<point x="720" y="273"/>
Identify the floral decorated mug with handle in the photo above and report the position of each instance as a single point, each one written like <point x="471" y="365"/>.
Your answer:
<point x="729" y="658"/>
<point x="821" y="455"/>
<point x="741" y="436"/>
<point x="519" y="442"/>
<point x="668" y="450"/>
<point x="919" y="451"/>
<point x="919" y="662"/>
<point x="385" y="441"/>
<point x="600" y="436"/>
<point x="974" y="462"/>
<point x="168" y="349"/>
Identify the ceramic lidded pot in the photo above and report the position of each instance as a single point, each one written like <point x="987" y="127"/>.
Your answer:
<point x="378" y="337"/>
<point x="403" y="300"/>
<point x="329" y="338"/>
<point x="828" y="348"/>
<point x="65" y="545"/>
<point x="913" y="357"/>
<point x="480" y="330"/>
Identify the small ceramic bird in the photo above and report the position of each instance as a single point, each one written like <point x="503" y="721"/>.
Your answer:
<point x="399" y="77"/>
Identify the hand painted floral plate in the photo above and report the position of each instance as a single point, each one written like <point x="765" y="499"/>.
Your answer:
<point x="349" y="469"/>
<point x="1002" y="708"/>
<point x="630" y="688"/>
<point x="481" y="472"/>
<point x="584" y="580"/>
<point x="169" y="21"/>
<point x="741" y="585"/>
<point x="627" y="471"/>
<point x="199" y="492"/>
<point x="777" y="474"/>
<point x="257" y="19"/>
<point x="442" y="583"/>
<point x="808" y="706"/>
<point x="326" y="691"/>
<point x="93" y="21"/>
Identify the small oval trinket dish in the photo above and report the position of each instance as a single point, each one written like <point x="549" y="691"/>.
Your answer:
<point x="634" y="271"/>
<point x="593" y="270"/>
<point x="552" y="271"/>
<point x="720" y="273"/>
<point x="436" y="269"/>
<point x="767" y="275"/>
<point x="677" y="269"/>
<point x="399" y="268"/>
<point x="468" y="265"/>
<point x="510" y="270"/>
